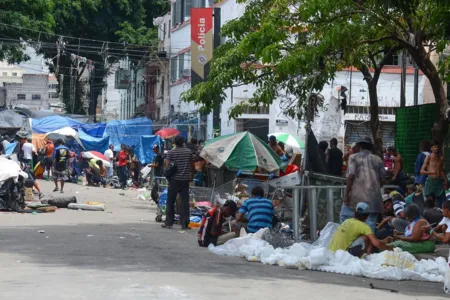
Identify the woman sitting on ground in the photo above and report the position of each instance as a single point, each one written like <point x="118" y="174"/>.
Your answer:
<point x="414" y="240"/>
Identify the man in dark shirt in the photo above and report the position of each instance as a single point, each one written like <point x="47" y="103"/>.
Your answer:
<point x="158" y="162"/>
<point x="181" y="157"/>
<point x="61" y="158"/>
<point x="334" y="159"/>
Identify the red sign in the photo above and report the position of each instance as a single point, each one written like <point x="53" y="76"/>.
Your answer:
<point x="201" y="39"/>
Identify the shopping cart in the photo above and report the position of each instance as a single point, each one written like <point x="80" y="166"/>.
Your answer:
<point x="238" y="189"/>
<point x="160" y="186"/>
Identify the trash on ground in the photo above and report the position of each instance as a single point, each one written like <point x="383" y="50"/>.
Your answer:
<point x="41" y="231"/>
<point x="87" y="206"/>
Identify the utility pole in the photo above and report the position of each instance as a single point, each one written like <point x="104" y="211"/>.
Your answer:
<point x="403" y="81"/>
<point x="73" y="80"/>
<point x="105" y="84"/>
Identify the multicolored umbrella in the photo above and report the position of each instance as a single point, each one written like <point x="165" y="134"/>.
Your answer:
<point x="167" y="133"/>
<point x="97" y="156"/>
<point x="289" y="140"/>
<point x="241" y="151"/>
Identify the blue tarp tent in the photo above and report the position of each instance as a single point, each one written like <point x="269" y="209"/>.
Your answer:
<point x="127" y="132"/>
<point x="10" y="148"/>
<point x="144" y="150"/>
<point x="52" y="123"/>
<point x="96" y="130"/>
<point x="99" y="144"/>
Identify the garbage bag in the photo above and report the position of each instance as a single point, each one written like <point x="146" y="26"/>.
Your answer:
<point x="60" y="202"/>
<point x="278" y="239"/>
<point x="84" y="206"/>
<point x="326" y="234"/>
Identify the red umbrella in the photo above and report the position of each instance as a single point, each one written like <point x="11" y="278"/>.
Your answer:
<point x="96" y="155"/>
<point x="167" y="133"/>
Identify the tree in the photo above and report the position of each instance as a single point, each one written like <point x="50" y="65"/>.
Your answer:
<point x="85" y="25"/>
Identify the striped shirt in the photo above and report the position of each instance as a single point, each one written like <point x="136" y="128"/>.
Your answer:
<point x="399" y="206"/>
<point x="182" y="158"/>
<point x="260" y="212"/>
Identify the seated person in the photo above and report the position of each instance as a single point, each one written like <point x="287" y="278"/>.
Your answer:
<point x="432" y="213"/>
<point x="30" y="180"/>
<point x="93" y="174"/>
<point x="417" y="198"/>
<point x="415" y="240"/>
<point x="443" y="226"/>
<point x="211" y="226"/>
<point x="355" y="236"/>
<point x="259" y="211"/>
<point x="395" y="206"/>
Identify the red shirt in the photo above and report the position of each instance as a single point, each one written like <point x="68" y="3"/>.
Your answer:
<point x="122" y="158"/>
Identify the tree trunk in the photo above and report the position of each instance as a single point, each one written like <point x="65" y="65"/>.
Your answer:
<point x="375" y="125"/>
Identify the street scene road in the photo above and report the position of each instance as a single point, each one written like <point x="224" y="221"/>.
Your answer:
<point x="122" y="253"/>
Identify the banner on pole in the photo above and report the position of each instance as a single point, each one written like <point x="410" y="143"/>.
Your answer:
<point x="202" y="43"/>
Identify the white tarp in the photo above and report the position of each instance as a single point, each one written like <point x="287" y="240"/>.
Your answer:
<point x="388" y="265"/>
<point x="10" y="169"/>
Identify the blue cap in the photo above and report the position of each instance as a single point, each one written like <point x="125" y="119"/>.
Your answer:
<point x="363" y="208"/>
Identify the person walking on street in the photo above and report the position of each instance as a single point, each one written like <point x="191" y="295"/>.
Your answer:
<point x="436" y="181"/>
<point x="182" y="160"/>
<point x="109" y="154"/>
<point x="122" y="162"/>
<point x="365" y="171"/>
<point x="48" y="160"/>
<point x="61" y="158"/>
<point x="334" y="159"/>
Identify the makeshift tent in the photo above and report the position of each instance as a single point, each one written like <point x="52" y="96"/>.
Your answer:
<point x="52" y="123"/>
<point x="10" y="148"/>
<point x="11" y="123"/>
<point x="34" y="114"/>
<point x="127" y="132"/>
<point x="144" y="151"/>
<point x="38" y="140"/>
<point x="70" y="138"/>
<point x="89" y="142"/>
<point x="95" y="130"/>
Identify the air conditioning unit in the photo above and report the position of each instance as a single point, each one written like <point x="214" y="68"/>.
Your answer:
<point x="186" y="73"/>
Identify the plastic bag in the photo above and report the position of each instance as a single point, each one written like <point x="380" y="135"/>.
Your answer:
<point x="326" y="235"/>
<point x="447" y="277"/>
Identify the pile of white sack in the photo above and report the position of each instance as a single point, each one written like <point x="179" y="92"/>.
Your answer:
<point x="388" y="265"/>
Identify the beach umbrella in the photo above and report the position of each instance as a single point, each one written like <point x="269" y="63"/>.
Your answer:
<point x="241" y="151"/>
<point x="97" y="156"/>
<point x="167" y="133"/>
<point x="289" y="140"/>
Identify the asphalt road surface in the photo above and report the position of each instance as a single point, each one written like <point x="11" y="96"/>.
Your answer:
<point x="123" y="253"/>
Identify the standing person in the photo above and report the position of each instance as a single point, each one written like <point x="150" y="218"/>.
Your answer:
<point x="365" y="171"/>
<point x="48" y="160"/>
<point x="135" y="165"/>
<point x="158" y="162"/>
<point x="388" y="160"/>
<point x="334" y="159"/>
<point x="109" y="154"/>
<point x="61" y="158"/>
<point x="27" y="153"/>
<point x="399" y="176"/>
<point x="348" y="152"/>
<point x="433" y="167"/>
<point x="274" y="145"/>
<point x="323" y="146"/>
<point x="181" y="159"/>
<point x="122" y="163"/>
<point x="425" y="151"/>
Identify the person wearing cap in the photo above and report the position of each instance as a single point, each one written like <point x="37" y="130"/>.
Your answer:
<point x="274" y="145"/>
<point x="364" y="174"/>
<point x="158" y="162"/>
<point x="355" y="236"/>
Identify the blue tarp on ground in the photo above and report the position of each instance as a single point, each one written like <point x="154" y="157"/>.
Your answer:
<point x="96" y="130"/>
<point x="144" y="150"/>
<point x="127" y="132"/>
<point x="52" y="123"/>
<point x="99" y="144"/>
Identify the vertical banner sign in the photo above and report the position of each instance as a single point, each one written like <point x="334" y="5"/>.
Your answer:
<point x="201" y="43"/>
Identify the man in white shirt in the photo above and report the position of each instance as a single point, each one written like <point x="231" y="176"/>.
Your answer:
<point x="110" y="156"/>
<point x="27" y="151"/>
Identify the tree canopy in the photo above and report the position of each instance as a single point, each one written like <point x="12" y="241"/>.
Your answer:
<point x="86" y="26"/>
<point x="290" y="48"/>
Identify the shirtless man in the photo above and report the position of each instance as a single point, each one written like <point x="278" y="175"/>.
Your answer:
<point x="398" y="164"/>
<point x="433" y="167"/>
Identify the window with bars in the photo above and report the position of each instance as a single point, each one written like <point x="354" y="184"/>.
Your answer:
<point x="384" y="110"/>
<point x="180" y="65"/>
